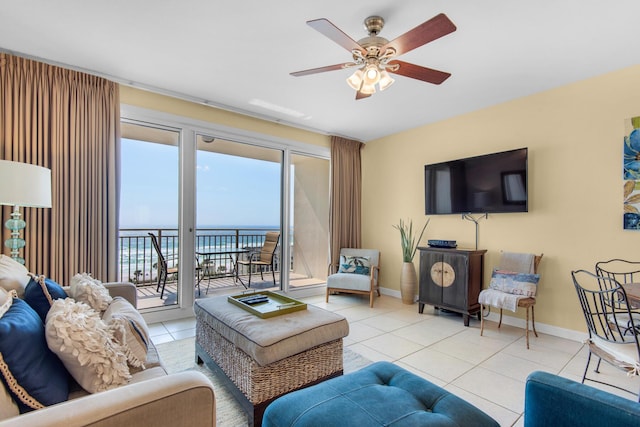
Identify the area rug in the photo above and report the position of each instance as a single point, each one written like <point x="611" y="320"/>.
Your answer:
<point x="178" y="356"/>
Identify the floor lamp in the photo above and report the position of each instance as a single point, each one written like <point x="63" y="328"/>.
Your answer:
<point x="23" y="185"/>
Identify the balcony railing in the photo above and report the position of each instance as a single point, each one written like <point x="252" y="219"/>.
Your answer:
<point x="138" y="261"/>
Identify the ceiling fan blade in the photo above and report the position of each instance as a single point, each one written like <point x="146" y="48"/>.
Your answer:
<point x="319" y="70"/>
<point x="424" y="33"/>
<point x="325" y="27"/>
<point x="413" y="71"/>
<point x="360" y="95"/>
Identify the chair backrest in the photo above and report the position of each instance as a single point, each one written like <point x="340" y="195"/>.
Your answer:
<point x="373" y="254"/>
<point x="269" y="246"/>
<point x="519" y="262"/>
<point x="605" y="318"/>
<point x="620" y="270"/>
<point x="162" y="263"/>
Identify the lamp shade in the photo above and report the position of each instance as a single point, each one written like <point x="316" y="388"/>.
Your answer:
<point x="22" y="184"/>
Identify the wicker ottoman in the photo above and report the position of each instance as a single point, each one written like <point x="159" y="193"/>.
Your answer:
<point x="262" y="359"/>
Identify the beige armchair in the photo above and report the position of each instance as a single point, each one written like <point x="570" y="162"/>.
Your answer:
<point x="357" y="273"/>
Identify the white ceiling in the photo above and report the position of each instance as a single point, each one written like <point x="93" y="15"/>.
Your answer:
<point x="232" y="53"/>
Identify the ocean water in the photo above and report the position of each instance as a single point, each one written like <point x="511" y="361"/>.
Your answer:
<point x="138" y="260"/>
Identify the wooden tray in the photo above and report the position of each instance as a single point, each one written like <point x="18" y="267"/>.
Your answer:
<point x="276" y="305"/>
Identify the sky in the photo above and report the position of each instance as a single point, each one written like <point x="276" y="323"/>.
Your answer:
<point x="230" y="190"/>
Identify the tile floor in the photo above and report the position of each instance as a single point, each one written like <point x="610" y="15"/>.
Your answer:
<point x="488" y="371"/>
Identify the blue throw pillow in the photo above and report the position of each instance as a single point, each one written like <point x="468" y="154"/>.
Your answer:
<point x="27" y="362"/>
<point x="40" y="293"/>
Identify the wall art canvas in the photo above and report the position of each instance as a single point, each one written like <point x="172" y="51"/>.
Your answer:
<point x="631" y="174"/>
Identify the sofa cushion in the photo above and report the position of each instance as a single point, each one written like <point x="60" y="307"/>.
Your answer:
<point x="356" y="282"/>
<point x="40" y="294"/>
<point x="130" y="330"/>
<point x="13" y="275"/>
<point x="33" y="375"/>
<point x="86" y="289"/>
<point x="86" y="346"/>
<point x="551" y="400"/>
<point x="8" y="407"/>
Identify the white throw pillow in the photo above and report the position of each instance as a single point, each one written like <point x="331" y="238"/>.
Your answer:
<point x="13" y="275"/>
<point x="85" y="345"/>
<point x="88" y="290"/>
<point x="130" y="330"/>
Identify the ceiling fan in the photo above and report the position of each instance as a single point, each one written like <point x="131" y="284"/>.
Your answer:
<point x="375" y="57"/>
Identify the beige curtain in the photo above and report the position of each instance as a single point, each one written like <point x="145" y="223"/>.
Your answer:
<point x="346" y="188"/>
<point x="69" y="122"/>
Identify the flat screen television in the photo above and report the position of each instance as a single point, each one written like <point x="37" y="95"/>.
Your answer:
<point x="491" y="183"/>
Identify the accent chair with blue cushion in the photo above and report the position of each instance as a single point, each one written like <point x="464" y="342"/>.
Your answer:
<point x="356" y="273"/>
<point x="381" y="394"/>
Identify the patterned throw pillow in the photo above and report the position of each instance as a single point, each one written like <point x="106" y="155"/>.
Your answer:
<point x="130" y="330"/>
<point x="86" y="346"/>
<point x="90" y="291"/>
<point x="355" y="264"/>
<point x="515" y="283"/>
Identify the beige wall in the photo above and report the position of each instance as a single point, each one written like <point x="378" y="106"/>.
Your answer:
<point x="574" y="134"/>
<point x="166" y="104"/>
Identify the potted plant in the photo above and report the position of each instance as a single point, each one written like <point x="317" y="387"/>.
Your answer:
<point x="409" y="244"/>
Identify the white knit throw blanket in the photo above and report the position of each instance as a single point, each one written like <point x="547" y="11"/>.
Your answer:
<point x="499" y="299"/>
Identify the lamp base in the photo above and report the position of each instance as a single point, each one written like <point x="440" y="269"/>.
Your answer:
<point x="15" y="243"/>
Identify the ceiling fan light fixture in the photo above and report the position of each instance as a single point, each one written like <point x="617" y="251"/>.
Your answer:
<point x="368" y="89"/>
<point x="385" y="80"/>
<point x="371" y="74"/>
<point x="355" y="81"/>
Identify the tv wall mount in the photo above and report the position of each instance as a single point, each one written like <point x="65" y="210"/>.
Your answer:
<point x="475" y="220"/>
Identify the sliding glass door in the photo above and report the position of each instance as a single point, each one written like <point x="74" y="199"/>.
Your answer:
<point x="238" y="198"/>
<point x="211" y="195"/>
<point x="149" y="209"/>
<point x="309" y="220"/>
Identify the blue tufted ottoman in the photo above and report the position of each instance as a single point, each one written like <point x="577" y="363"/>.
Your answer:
<point x="381" y="394"/>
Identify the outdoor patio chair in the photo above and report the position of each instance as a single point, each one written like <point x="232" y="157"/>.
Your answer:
<point x="264" y="258"/>
<point x="163" y="268"/>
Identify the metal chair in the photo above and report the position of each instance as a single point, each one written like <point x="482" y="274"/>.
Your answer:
<point x="163" y="268"/>
<point x="602" y="301"/>
<point x="264" y="258"/>
<point x="623" y="272"/>
<point x="350" y="282"/>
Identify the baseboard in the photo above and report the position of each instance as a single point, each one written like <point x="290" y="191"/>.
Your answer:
<point x="514" y="321"/>
<point x="556" y="331"/>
